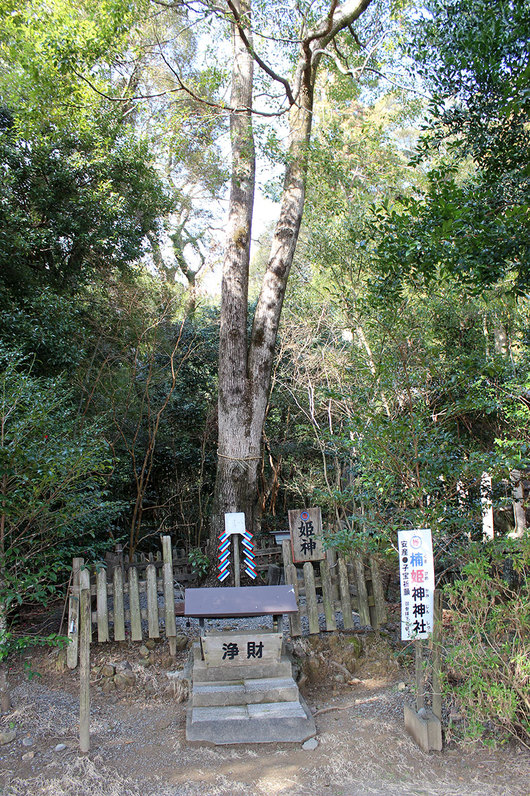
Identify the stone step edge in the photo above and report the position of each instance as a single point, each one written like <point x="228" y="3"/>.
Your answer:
<point x="252" y="731"/>
<point x="248" y="692"/>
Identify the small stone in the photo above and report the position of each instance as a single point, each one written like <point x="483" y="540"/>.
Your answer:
<point x="124" y="680"/>
<point x="166" y="661"/>
<point x="455" y="717"/>
<point x="144" y="651"/>
<point x="28" y="741"/>
<point x="60" y="747"/>
<point x="7" y="736"/>
<point x="108" y="670"/>
<point x="339" y="678"/>
<point x="144" y="662"/>
<point x="181" y="641"/>
<point x="302" y="680"/>
<point x="150" y="643"/>
<point x="108" y="685"/>
<point x="309" y="745"/>
<point x="28" y="756"/>
<point x="401" y="686"/>
<point x="152" y="658"/>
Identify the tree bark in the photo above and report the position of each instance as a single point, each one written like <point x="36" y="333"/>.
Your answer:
<point x="238" y="448"/>
<point x="245" y="367"/>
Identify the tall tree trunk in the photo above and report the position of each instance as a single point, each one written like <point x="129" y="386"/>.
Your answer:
<point x="238" y="447"/>
<point x="245" y="368"/>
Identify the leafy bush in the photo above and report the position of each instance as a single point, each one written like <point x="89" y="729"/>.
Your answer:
<point x="490" y="656"/>
<point x="52" y="485"/>
<point x="200" y="563"/>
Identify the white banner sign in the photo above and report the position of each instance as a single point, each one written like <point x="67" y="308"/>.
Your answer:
<point x="416" y="570"/>
<point x="235" y="522"/>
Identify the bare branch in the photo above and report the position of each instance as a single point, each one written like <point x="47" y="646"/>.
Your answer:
<point x="211" y="104"/>
<point x="124" y="99"/>
<point x="278" y="78"/>
<point x="356" y="73"/>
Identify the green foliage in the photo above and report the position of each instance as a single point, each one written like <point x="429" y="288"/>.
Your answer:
<point x="472" y="221"/>
<point x="489" y="648"/>
<point x="200" y="563"/>
<point x="72" y="205"/>
<point x="12" y="643"/>
<point x="53" y="476"/>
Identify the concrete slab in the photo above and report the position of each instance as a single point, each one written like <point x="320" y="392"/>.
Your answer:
<point x="272" y="689"/>
<point x="217" y="694"/>
<point x="425" y="729"/>
<point x="276" y="710"/>
<point x="208" y="674"/>
<point x="224" y="713"/>
<point x="220" y="728"/>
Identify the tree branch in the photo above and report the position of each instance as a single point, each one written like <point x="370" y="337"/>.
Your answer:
<point x="261" y="63"/>
<point x="356" y="73"/>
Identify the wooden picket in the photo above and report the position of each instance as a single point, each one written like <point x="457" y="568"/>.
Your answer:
<point x="344" y="585"/>
<point x="135" y="599"/>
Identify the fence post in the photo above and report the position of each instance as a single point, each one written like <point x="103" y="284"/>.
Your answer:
<point x="291" y="578"/>
<point x="311" y="597"/>
<point x="169" y="596"/>
<point x="437" y="656"/>
<point x="84" y="661"/>
<point x="345" y="601"/>
<point x="362" y="594"/>
<point x="152" y="602"/>
<point x="378" y="592"/>
<point x="73" y="615"/>
<point x="420" y="683"/>
<point x="327" y="595"/>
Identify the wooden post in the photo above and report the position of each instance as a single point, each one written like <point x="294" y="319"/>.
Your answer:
<point x="73" y="615"/>
<point x="420" y="684"/>
<point x="169" y="596"/>
<point x="102" y="610"/>
<point x="119" y="611"/>
<point x="311" y="597"/>
<point x="437" y="656"/>
<point x="237" y="571"/>
<point x="84" y="662"/>
<point x="152" y="602"/>
<point x="291" y="578"/>
<point x="134" y="605"/>
<point x="345" y="600"/>
<point x="362" y="594"/>
<point x="327" y="596"/>
<point x="331" y="558"/>
<point x="379" y="595"/>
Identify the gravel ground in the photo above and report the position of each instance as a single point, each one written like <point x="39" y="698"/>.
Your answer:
<point x="138" y="743"/>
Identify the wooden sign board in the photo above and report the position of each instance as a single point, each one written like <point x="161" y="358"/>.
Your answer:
<point x="306" y="535"/>
<point x="241" y="649"/>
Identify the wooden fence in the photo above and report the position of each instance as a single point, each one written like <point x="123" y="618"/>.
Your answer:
<point x="339" y="583"/>
<point x="138" y="599"/>
<point x="266" y="554"/>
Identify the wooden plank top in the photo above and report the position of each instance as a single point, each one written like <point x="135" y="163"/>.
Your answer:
<point x="219" y="602"/>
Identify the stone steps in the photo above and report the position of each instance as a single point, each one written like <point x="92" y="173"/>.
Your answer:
<point x="248" y="692"/>
<point x="251" y="703"/>
<point x="262" y="723"/>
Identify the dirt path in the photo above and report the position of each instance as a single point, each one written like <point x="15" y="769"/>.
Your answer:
<point x="139" y="747"/>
